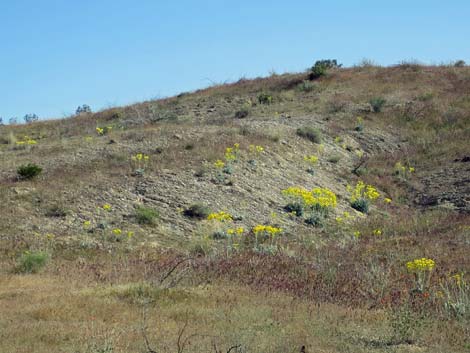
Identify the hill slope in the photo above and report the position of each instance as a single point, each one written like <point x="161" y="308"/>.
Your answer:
<point x="402" y="130"/>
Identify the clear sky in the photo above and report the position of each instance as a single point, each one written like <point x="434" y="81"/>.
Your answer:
<point x="56" y="55"/>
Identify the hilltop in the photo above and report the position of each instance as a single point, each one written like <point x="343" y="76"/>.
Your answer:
<point x="120" y="212"/>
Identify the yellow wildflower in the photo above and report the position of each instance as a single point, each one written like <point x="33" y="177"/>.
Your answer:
<point x="220" y="216"/>
<point x="117" y="231"/>
<point x="420" y="265"/>
<point x="219" y="164"/>
<point x="107" y="207"/>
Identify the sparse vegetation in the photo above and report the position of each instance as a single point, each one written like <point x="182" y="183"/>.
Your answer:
<point x="265" y="98"/>
<point x="146" y="215"/>
<point x="198" y="211"/>
<point x="32" y="261"/>
<point x="310" y="133"/>
<point x="377" y="104"/>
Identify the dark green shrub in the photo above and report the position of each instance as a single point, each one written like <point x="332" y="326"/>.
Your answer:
<point x="321" y="66"/>
<point x="295" y="208"/>
<point x="265" y="98"/>
<point x="83" y="109"/>
<point x="197" y="211"/>
<point x="28" y="171"/>
<point x="310" y="133"/>
<point x="361" y="205"/>
<point x="56" y="210"/>
<point x="32" y="262"/>
<point x="146" y="215"/>
<point x="242" y="113"/>
<point x="377" y="104"/>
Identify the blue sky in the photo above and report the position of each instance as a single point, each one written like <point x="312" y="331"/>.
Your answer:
<point x="56" y="55"/>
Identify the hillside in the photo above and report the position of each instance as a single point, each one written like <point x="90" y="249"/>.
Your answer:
<point x="132" y="263"/>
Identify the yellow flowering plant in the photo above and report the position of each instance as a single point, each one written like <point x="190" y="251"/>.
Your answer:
<point x="139" y="163"/>
<point x="220" y="217"/>
<point x="403" y="171"/>
<point x="361" y="196"/>
<point x="265" y="231"/>
<point x="421" y="269"/>
<point x="318" y="199"/>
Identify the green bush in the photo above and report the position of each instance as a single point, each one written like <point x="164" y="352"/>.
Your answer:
<point x="146" y="215"/>
<point x="361" y="205"/>
<point x="321" y="67"/>
<point x="265" y="98"/>
<point x="295" y="208"/>
<point x="28" y="171"/>
<point x="377" y="104"/>
<point x="32" y="262"/>
<point x="310" y="133"/>
<point x="242" y="113"/>
<point x="197" y="211"/>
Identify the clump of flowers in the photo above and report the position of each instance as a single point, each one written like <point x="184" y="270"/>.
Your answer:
<point x="101" y="131"/>
<point x="362" y="195"/>
<point x="220" y="216"/>
<point x="139" y="163"/>
<point x="253" y="149"/>
<point x="359" y="124"/>
<point x="219" y="164"/>
<point x="320" y="199"/>
<point x="265" y="231"/>
<point x="107" y="207"/>
<point x="231" y="153"/>
<point x="422" y="269"/>
<point x="403" y="171"/>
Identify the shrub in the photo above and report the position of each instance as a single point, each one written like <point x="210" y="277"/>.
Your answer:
<point x="146" y="215"/>
<point x="83" y="109"/>
<point x="197" y="211"/>
<point x="334" y="159"/>
<point x="295" y="208"/>
<point x="28" y="171"/>
<point x="377" y="104"/>
<point x="32" y="262"/>
<point x="321" y="66"/>
<point x="306" y="86"/>
<point x="361" y="205"/>
<point x="29" y="118"/>
<point x="13" y="121"/>
<point x="242" y="113"/>
<point x="459" y="63"/>
<point x="265" y="98"/>
<point x="56" y="210"/>
<point x="310" y="133"/>
<point x="315" y="220"/>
